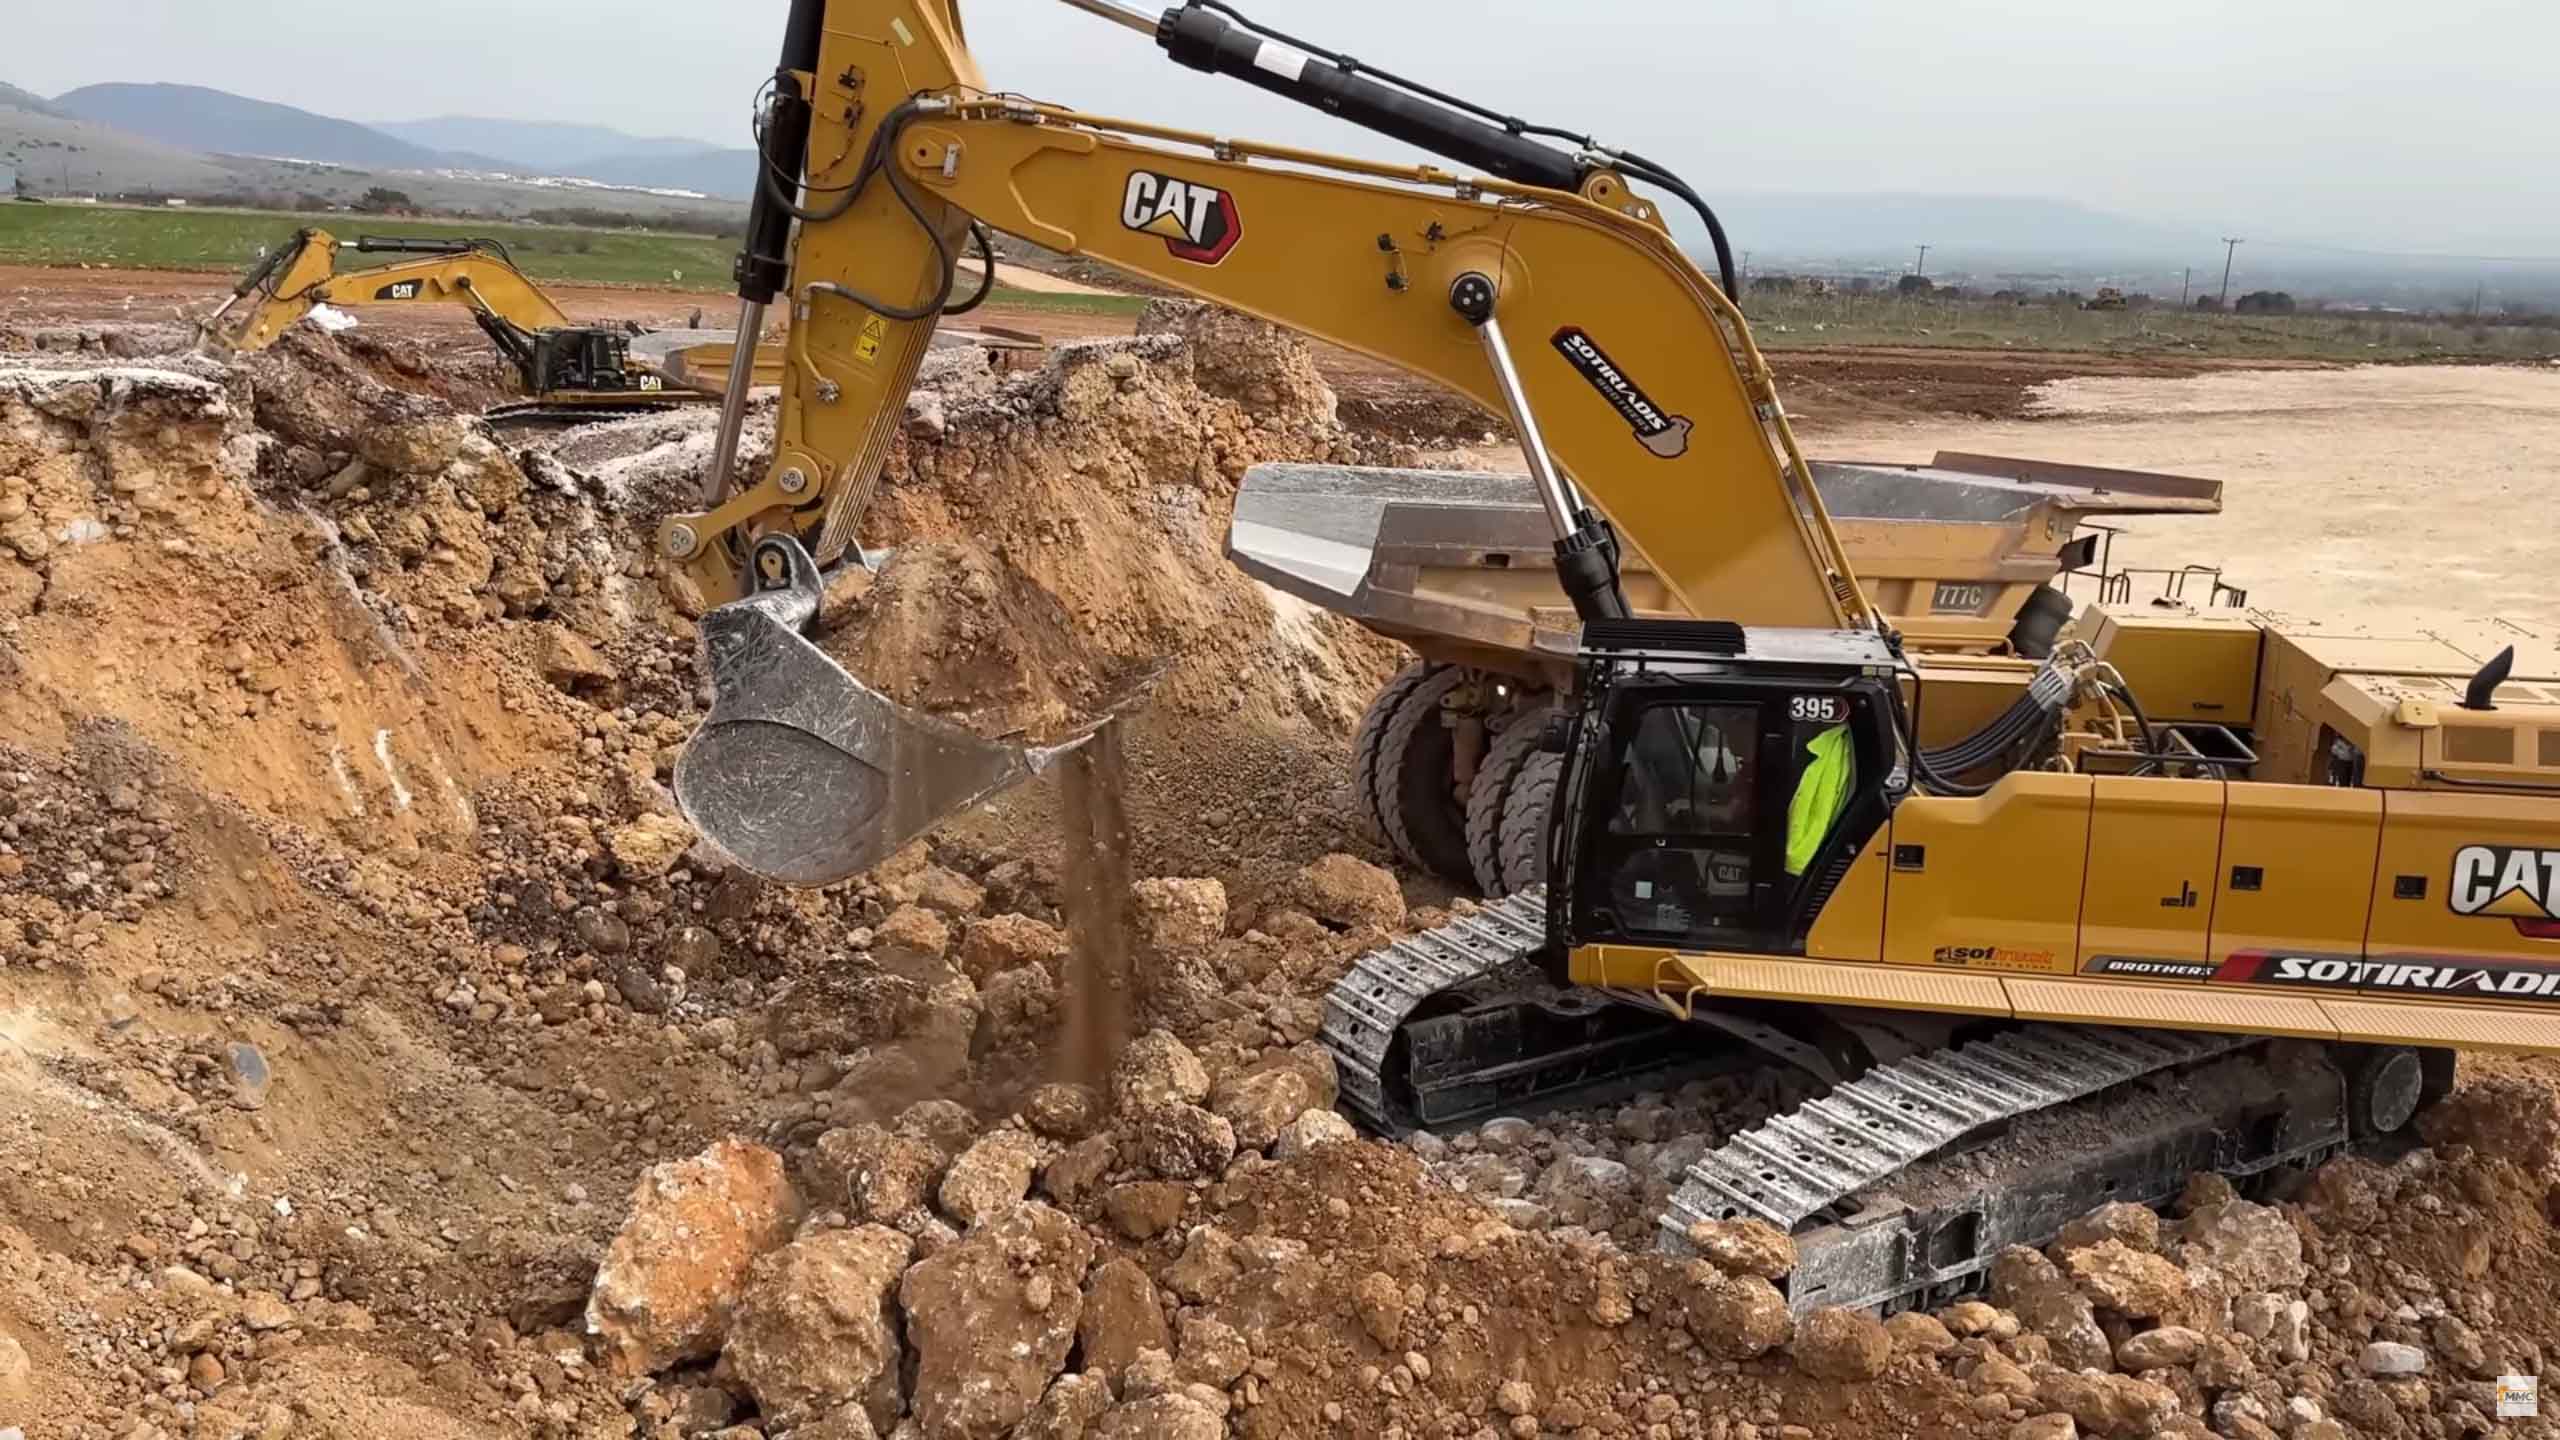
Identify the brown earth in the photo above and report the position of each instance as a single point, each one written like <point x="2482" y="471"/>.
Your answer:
<point x="358" y="980"/>
<point x="1823" y="384"/>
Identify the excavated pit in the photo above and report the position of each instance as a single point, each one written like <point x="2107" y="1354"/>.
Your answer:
<point x="363" y="998"/>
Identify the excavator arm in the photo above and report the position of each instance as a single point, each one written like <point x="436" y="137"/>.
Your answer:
<point x="476" y="274"/>
<point x="1644" y="409"/>
<point x="1637" y="371"/>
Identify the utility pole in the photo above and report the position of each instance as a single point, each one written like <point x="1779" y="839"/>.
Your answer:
<point x="1922" y="268"/>
<point x="2479" y="291"/>
<point x="2230" y="247"/>
<point x="2186" y="285"/>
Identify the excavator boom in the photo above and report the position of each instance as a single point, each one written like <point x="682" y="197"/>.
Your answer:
<point x="1647" y="415"/>
<point x="304" y="275"/>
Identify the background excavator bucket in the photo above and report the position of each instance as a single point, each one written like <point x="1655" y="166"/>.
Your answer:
<point x="804" y="774"/>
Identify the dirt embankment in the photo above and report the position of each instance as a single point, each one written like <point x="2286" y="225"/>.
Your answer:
<point x="385" y="1059"/>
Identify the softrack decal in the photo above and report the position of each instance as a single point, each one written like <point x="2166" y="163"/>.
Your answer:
<point x="1664" y="434"/>
<point x="1197" y="222"/>
<point x="2407" y="974"/>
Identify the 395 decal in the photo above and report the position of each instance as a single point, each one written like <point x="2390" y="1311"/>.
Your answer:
<point x="1199" y="223"/>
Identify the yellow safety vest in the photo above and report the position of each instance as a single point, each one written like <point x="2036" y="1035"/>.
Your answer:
<point x="1822" y="792"/>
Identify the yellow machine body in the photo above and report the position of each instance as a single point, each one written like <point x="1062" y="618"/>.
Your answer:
<point x="2390" y="873"/>
<point x="2353" y="853"/>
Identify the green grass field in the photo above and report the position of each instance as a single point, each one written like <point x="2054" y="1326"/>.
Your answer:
<point x="1782" y="322"/>
<point x="228" y="240"/>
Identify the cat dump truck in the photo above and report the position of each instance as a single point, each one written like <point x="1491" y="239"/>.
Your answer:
<point x="1966" y="554"/>
<point x="2191" y="888"/>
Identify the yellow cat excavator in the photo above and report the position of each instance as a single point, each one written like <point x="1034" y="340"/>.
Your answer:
<point x="564" y="370"/>
<point x="2195" y="889"/>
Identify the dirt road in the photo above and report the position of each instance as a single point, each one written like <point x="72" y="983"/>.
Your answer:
<point x="2389" y="491"/>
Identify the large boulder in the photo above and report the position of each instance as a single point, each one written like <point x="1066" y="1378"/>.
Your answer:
<point x="1170" y="1416"/>
<point x="675" y="1271"/>
<point x="1263" y="1101"/>
<point x="1744" y="1247"/>
<point x="1157" y="1070"/>
<point x="2130" y="1282"/>
<point x="2108" y="1405"/>
<point x="1068" y="1411"/>
<point x="1733" y="1317"/>
<point x="1120" y="1317"/>
<point x="991" y="1177"/>
<point x="1349" y="894"/>
<point x="1834" y="1343"/>
<point x="2025" y="1283"/>
<point x="819" y="1326"/>
<point x="991" y="1320"/>
<point x="1182" y="1142"/>
<point x="1009" y="942"/>
<point x="885" y="1174"/>
<point x="2253" y="1244"/>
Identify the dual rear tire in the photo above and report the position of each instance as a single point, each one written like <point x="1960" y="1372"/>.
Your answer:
<point x="1485" y="833"/>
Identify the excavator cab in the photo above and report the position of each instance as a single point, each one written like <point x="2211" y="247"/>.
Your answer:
<point x="1719" y="782"/>
<point x="585" y="359"/>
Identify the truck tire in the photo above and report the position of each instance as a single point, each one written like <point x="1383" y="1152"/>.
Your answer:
<point x="1501" y="765"/>
<point x="1417" y="788"/>
<point x="1373" y="729"/>
<point x="1524" y="821"/>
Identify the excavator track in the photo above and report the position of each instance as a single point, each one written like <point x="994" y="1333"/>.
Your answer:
<point x="1458" y="1021"/>
<point x="1899" y="1184"/>
<point x="1890" y="1207"/>
<point x="1798" y="1163"/>
<point x="548" y="415"/>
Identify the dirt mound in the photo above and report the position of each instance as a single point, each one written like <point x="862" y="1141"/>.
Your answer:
<point x="350" y="953"/>
<point x="358" y="985"/>
<point x="1060" y="535"/>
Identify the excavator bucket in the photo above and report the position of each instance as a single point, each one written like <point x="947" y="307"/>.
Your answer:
<point x="804" y="774"/>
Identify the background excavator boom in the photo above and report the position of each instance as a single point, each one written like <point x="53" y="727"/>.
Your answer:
<point x="304" y="275"/>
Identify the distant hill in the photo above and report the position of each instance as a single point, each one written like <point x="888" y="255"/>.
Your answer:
<point x="55" y="154"/>
<point x="1818" y="227"/>
<point x="17" y="99"/>
<point x="195" y="118"/>
<point x="545" y="147"/>
<point x="727" y="174"/>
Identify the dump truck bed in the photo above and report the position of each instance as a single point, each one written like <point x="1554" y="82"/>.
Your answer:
<point x="1458" y="564"/>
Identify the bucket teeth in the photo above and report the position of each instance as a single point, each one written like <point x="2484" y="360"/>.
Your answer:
<point x="802" y="773"/>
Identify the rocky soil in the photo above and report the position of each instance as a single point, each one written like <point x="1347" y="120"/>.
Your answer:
<point x="384" y="1058"/>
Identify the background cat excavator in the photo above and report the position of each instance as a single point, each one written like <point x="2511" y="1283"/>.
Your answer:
<point x="2048" y="919"/>
<point x="563" y="369"/>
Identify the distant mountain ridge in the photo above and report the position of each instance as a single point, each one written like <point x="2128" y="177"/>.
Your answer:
<point x="552" y="147"/>
<point x="195" y="117"/>
<point x="15" y="98"/>
<point x="1799" y="228"/>
<point x="592" y="152"/>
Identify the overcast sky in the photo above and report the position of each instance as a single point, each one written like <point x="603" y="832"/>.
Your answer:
<point x="2374" y="123"/>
